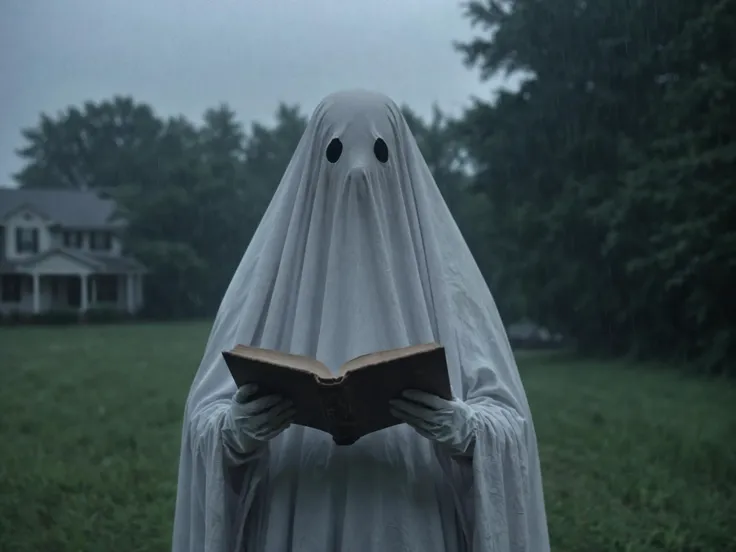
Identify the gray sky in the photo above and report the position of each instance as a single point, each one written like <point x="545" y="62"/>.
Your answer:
<point x="183" y="56"/>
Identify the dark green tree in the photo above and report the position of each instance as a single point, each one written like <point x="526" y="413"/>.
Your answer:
<point x="98" y="146"/>
<point x="586" y="219"/>
<point x="269" y="150"/>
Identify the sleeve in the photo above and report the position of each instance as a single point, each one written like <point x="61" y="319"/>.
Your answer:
<point x="215" y="491"/>
<point x="497" y="479"/>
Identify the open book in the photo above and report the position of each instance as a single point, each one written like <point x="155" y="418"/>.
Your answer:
<point x="352" y="403"/>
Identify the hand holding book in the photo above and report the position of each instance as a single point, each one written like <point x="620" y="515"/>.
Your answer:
<point x="450" y="423"/>
<point x="352" y="403"/>
<point x="253" y="420"/>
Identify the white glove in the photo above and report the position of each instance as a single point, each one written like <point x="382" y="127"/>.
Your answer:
<point x="452" y="423"/>
<point x="251" y="422"/>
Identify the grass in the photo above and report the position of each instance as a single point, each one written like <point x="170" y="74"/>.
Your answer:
<point x="635" y="458"/>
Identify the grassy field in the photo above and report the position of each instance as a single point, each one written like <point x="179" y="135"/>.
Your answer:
<point x="634" y="458"/>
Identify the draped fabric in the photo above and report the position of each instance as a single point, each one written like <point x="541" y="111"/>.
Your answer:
<point x="353" y="255"/>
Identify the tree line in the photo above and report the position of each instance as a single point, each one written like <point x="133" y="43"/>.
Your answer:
<point x="597" y="195"/>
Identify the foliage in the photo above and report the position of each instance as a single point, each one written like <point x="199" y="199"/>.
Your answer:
<point x="610" y="170"/>
<point x="596" y="196"/>
<point x="193" y="194"/>
<point x="100" y="146"/>
<point x="92" y="420"/>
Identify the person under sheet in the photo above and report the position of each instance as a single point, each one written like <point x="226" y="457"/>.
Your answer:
<point x="358" y="252"/>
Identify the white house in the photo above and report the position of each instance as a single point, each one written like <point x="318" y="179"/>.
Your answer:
<point x="61" y="250"/>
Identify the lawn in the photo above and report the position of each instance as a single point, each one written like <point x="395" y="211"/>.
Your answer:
<point x="635" y="458"/>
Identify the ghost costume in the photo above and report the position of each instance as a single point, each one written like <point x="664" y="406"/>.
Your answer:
<point x="358" y="252"/>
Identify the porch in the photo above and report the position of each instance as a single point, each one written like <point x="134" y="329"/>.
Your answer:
<point x="36" y="293"/>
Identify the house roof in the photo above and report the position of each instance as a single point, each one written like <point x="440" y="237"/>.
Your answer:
<point x="99" y="263"/>
<point x="70" y="208"/>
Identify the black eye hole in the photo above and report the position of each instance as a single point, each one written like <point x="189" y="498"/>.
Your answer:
<point x="380" y="150"/>
<point x="334" y="150"/>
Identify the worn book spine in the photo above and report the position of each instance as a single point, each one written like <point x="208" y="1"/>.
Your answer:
<point x="339" y="414"/>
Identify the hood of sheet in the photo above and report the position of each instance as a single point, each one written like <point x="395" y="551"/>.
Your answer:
<point x="355" y="256"/>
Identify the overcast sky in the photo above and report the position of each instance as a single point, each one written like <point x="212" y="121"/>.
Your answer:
<point x="183" y="56"/>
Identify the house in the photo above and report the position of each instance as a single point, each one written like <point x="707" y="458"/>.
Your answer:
<point x="61" y="250"/>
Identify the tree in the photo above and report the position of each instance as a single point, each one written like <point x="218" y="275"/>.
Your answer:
<point x="211" y="196"/>
<point x="269" y="150"/>
<point x="579" y="210"/>
<point x="192" y="228"/>
<point x="192" y="195"/>
<point x="98" y="146"/>
<point x="682" y="179"/>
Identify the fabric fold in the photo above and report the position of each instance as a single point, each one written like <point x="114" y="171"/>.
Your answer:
<point x="491" y="485"/>
<point x="358" y="254"/>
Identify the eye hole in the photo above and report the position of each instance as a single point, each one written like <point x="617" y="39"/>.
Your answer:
<point x="380" y="150"/>
<point x="334" y="150"/>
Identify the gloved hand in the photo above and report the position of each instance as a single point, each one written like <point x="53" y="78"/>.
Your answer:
<point x="251" y="422"/>
<point x="452" y="423"/>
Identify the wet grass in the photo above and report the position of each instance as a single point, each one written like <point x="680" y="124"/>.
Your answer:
<point x="635" y="457"/>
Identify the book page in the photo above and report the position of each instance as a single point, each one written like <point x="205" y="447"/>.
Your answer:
<point x="385" y="356"/>
<point x="297" y="362"/>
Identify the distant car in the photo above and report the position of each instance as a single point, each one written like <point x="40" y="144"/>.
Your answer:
<point x="529" y="335"/>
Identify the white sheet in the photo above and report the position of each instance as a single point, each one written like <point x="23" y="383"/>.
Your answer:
<point x="352" y="257"/>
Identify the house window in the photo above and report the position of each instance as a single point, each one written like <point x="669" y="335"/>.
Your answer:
<point x="101" y="241"/>
<point x="11" y="289"/>
<point x="107" y="288"/>
<point x="26" y="240"/>
<point x="73" y="239"/>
